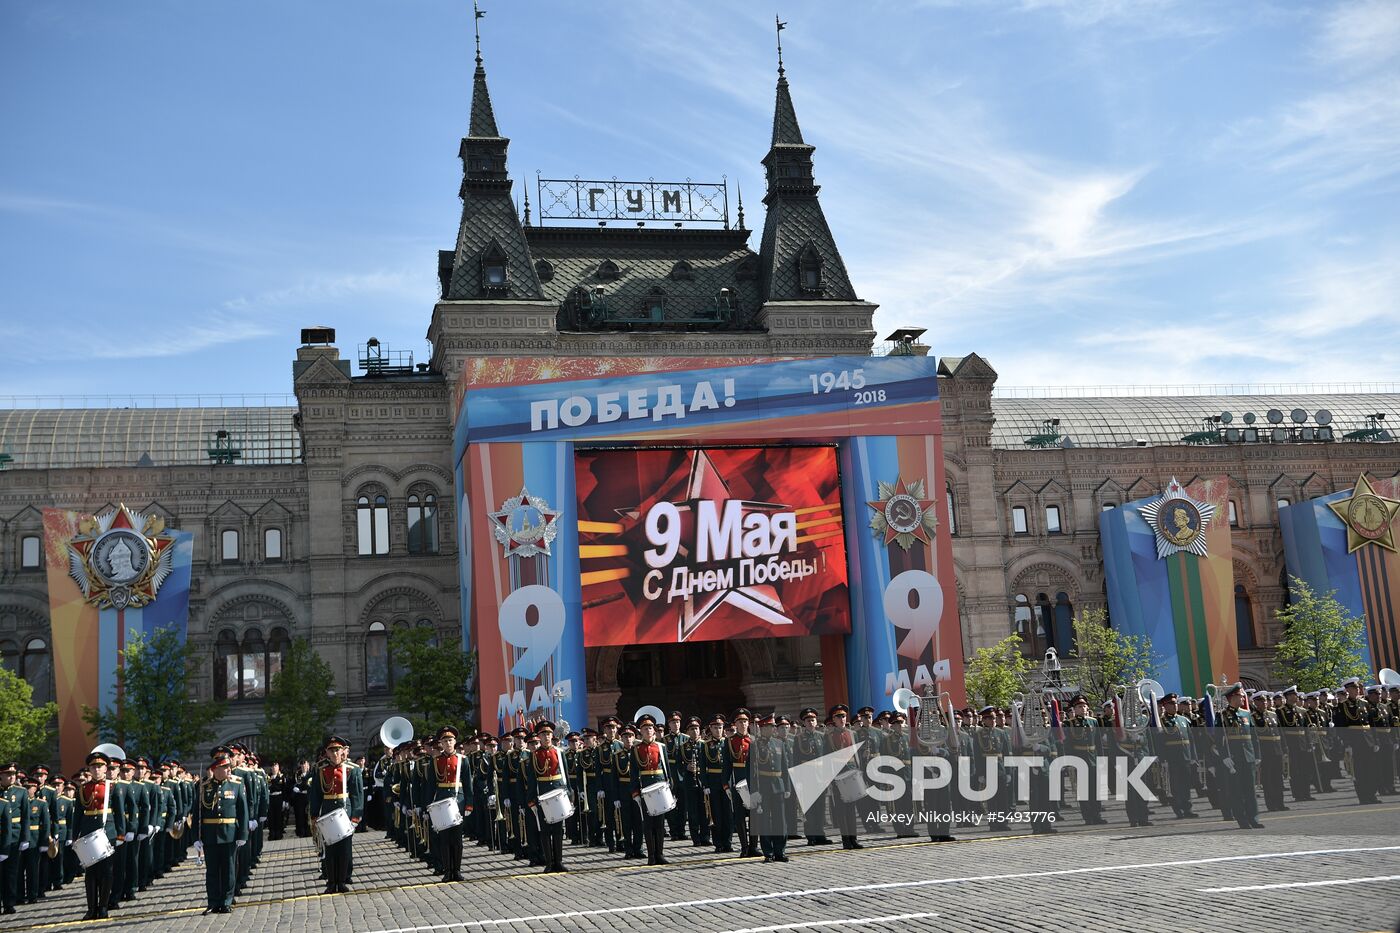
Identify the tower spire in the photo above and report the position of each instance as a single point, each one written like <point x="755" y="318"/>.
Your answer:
<point x="483" y="118"/>
<point x="476" y="25"/>
<point x="781" y="26"/>
<point x="740" y="189"/>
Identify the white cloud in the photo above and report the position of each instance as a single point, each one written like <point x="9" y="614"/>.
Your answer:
<point x="1358" y="36"/>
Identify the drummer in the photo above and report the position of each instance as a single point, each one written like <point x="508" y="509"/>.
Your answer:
<point x="337" y="787"/>
<point x="544" y="774"/>
<point x="96" y="815"/>
<point x="453" y="782"/>
<point x="221" y="829"/>
<point x="649" y="767"/>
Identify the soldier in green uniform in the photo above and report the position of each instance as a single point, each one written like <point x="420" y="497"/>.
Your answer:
<point x="9" y="843"/>
<point x="628" y="816"/>
<point x="1083" y="741"/>
<point x="673" y="742"/>
<point x="1270" y="750"/>
<point x="1383" y="753"/>
<point x="1175" y="749"/>
<point x="769" y="789"/>
<point x="221" y="829"/>
<point x="95" y="813"/>
<point x="692" y="794"/>
<point x="59" y="873"/>
<point x="49" y="795"/>
<point x="609" y="801"/>
<point x="1238" y="754"/>
<point x="128" y="850"/>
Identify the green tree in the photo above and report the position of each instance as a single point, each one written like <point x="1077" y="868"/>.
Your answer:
<point x="301" y="705"/>
<point x="26" y="730"/>
<point x="432" y="688"/>
<point x="1106" y="657"/>
<point x="155" y="714"/>
<point x="1322" y="643"/>
<point x="995" y="673"/>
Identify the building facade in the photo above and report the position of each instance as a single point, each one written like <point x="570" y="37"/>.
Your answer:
<point x="336" y="520"/>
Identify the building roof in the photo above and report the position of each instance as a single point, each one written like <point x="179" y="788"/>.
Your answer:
<point x="1164" y="420"/>
<point x="57" y="438"/>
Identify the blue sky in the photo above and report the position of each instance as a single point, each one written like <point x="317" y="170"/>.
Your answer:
<point x="1090" y="192"/>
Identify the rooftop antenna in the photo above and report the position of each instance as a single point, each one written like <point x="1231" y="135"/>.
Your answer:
<point x="476" y="25"/>
<point x="781" y="26"/>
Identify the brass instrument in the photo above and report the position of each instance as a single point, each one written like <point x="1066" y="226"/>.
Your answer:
<point x="709" y="816"/>
<point x="52" y="850"/>
<point x="1028" y="717"/>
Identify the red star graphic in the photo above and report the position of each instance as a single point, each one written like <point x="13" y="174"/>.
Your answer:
<point x="918" y="531"/>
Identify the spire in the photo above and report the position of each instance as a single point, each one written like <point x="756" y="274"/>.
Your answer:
<point x="483" y="119"/>
<point x="785" y="128"/>
<point x="741" y="204"/>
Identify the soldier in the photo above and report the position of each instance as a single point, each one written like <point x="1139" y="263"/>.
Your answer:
<point x="1238" y="753"/>
<point x="482" y="763"/>
<point x="1082" y="741"/>
<point x="49" y="795"/>
<point x="132" y="800"/>
<point x="337" y="786"/>
<point x="649" y="766"/>
<point x="715" y="780"/>
<point x="808" y="745"/>
<point x="692" y="788"/>
<point x="1270" y="750"/>
<point x="452" y="782"/>
<point x="990" y="748"/>
<point x="1294" y="724"/>
<point x="624" y="767"/>
<point x="1357" y="717"/>
<point x="838" y="737"/>
<point x="40" y="829"/>
<point x="737" y="748"/>
<point x="162" y="813"/>
<point x="300" y="787"/>
<point x="67" y="823"/>
<point x="94" y="813"/>
<point x="769" y="789"/>
<point x="1174" y="746"/>
<point x="673" y="742"/>
<point x="545" y="773"/>
<point x="1382" y="753"/>
<point x="221" y="829"/>
<point x="277" y="787"/>
<point x="897" y="746"/>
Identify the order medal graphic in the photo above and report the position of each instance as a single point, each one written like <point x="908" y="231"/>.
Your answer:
<point x="1369" y="517"/>
<point x="1178" y="521"/>
<point x="120" y="558"/>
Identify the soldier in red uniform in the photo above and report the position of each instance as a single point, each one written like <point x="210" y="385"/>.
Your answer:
<point x="453" y="781"/>
<point x="546" y="774"/>
<point x="737" y="748"/>
<point x="649" y="766"/>
<point x="337" y="786"/>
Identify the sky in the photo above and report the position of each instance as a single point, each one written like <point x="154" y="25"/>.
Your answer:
<point x="1084" y="192"/>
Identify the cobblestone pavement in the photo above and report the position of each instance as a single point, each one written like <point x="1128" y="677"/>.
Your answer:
<point x="1327" y="866"/>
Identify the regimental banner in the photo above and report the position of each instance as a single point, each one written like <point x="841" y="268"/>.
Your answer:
<point x="673" y="500"/>
<point x="1347" y="542"/>
<point x="111" y="576"/>
<point x="1170" y="577"/>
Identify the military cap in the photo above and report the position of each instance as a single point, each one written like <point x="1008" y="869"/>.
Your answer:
<point x="611" y="720"/>
<point x="839" y="708"/>
<point x="627" y="730"/>
<point x="1234" y="688"/>
<point x="767" y="719"/>
<point x="693" y="721"/>
<point x="450" y="730"/>
<point x="784" y="721"/>
<point x="716" y="718"/>
<point x="93" y="758"/>
<point x="488" y="738"/>
<point x="674" y="714"/>
<point x="1168" y="698"/>
<point x="32" y="780"/>
<point x="809" y="711"/>
<point x="645" y="719"/>
<point x="1350" y="681"/>
<point x="572" y="735"/>
<point x="38" y="769"/>
<point x="519" y="732"/>
<point x="143" y="761"/>
<point x="987" y="711"/>
<point x="742" y="712"/>
<point x="589" y="730"/>
<point x="1079" y="698"/>
<point x="220" y="759"/>
<point x="884" y="714"/>
<point x="336" y="741"/>
<point x="866" y="709"/>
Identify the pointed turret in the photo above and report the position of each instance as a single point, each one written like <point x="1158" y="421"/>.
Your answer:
<point x="800" y="261"/>
<point x="492" y="258"/>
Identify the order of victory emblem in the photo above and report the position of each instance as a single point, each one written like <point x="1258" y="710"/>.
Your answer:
<point x="120" y="558"/>
<point x="1178" y="521"/>
<point x="525" y="525"/>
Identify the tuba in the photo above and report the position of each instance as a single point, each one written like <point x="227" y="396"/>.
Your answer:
<point x="1132" y="709"/>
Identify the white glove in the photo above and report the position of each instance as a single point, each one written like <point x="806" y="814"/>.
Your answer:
<point x="23" y="846"/>
<point x="754" y="797"/>
<point x="506" y="803"/>
<point x="150" y="829"/>
<point x="199" y="848"/>
<point x="130" y="837"/>
<point x="600" y="795"/>
<point x="252" y="824"/>
<point x="68" y="842"/>
<point x="1230" y="765"/>
<point x="241" y="843"/>
<point x="491" y="801"/>
<point x="140" y="836"/>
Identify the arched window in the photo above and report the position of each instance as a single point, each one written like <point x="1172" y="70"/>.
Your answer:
<point x="428" y="624"/>
<point x="1107" y="506"/>
<point x="377" y="658"/>
<point x="1244" y="618"/>
<point x="952" y="510"/>
<point x="35" y="668"/>
<point x="272" y="544"/>
<point x="30" y="554"/>
<point x="1045" y="616"/>
<point x="422" y="523"/>
<point x="372" y="525"/>
<point x="228" y="672"/>
<point x="656" y="304"/>
<point x="243" y="670"/>
<point x="254" y="666"/>
<point x="277" y="644"/>
<point x="228" y="546"/>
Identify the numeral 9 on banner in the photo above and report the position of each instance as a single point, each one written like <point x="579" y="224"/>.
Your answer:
<point x="538" y="639"/>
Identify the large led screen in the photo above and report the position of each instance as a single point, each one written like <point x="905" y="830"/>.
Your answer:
<point x="706" y="544"/>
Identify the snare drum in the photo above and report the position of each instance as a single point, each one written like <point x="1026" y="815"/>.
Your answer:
<point x="658" y="798"/>
<point x="92" y="848"/>
<point x="334" y="826"/>
<point x="556" y="806"/>
<point x="742" y="788"/>
<point x="444" y="814"/>
<point x="851" y="785"/>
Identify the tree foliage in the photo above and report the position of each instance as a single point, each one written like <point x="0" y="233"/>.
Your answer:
<point x="994" y="674"/>
<point x="155" y="715"/>
<point x="1107" y="657"/>
<point x="431" y="687"/>
<point x="1322" y="643"/>
<point x="26" y="730"/>
<point x="301" y="705"/>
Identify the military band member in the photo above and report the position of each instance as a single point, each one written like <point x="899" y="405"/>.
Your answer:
<point x="1238" y="754"/>
<point x="649" y="766"/>
<point x="544" y="773"/>
<point x="221" y="829"/>
<point x="1175" y="748"/>
<point x="40" y="830"/>
<point x="1270" y="741"/>
<point x="692" y="793"/>
<point x="673" y="741"/>
<point x="1381" y="752"/>
<point x="336" y="787"/>
<point x="577" y="822"/>
<point x="591" y="788"/>
<point x="95" y="813"/>
<point x="808" y="745"/>
<point x="452" y="782"/>
<point x="716" y="781"/>
<point x="1356" y="717"/>
<point x="769" y="790"/>
<point x="624" y="767"/>
<point x="737" y="748"/>
<point x="1083" y="740"/>
<point x="277" y="800"/>
<point x="59" y="873"/>
<point x="483" y="767"/>
<point x="838" y="737"/>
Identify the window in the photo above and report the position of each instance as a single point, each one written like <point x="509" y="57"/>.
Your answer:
<point x="272" y="544"/>
<point x="1234" y="515"/>
<point x="493" y="268"/>
<point x="952" y="511"/>
<point x="1281" y="503"/>
<point x="422" y="523"/>
<point x="377" y="658"/>
<point x="372" y="524"/>
<point x="1018" y="519"/>
<point x="1064" y="623"/>
<point x="1108" y="506"/>
<point x="1029" y="623"/>
<point x="35" y="668"/>
<point x="9" y="657"/>
<point x="809" y="269"/>
<point x="656" y="304"/>
<point x="1052" y="519"/>
<point x="228" y="546"/>
<point x="244" y="670"/>
<point x="1244" y="618"/>
<point x="29" y="552"/>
